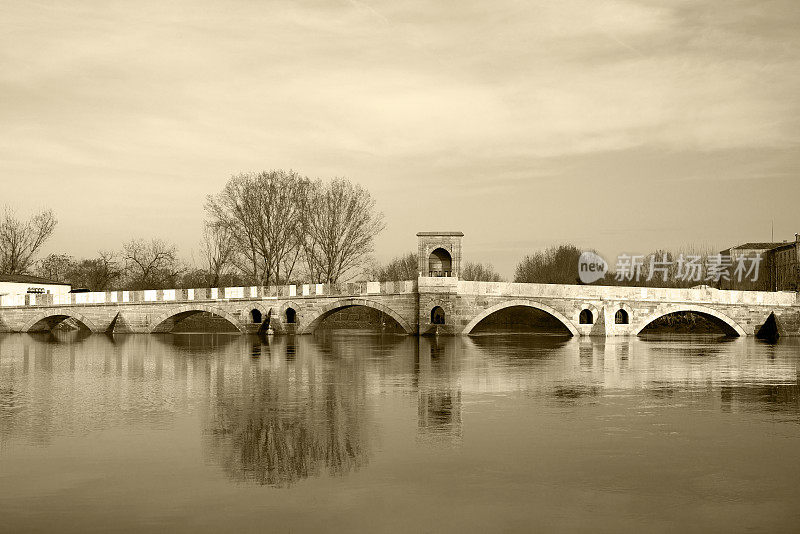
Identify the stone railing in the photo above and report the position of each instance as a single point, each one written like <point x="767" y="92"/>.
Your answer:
<point x="624" y="293"/>
<point x="211" y="294"/>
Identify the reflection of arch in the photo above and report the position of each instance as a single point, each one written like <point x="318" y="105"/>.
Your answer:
<point x="53" y="317"/>
<point x="520" y="302"/>
<point x="437" y="315"/>
<point x="191" y="309"/>
<point x="728" y="325"/>
<point x="440" y="263"/>
<point x="347" y="303"/>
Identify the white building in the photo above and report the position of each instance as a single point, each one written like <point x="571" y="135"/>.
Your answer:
<point x="20" y="284"/>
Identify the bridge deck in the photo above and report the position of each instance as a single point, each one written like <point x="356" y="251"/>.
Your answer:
<point x="410" y="303"/>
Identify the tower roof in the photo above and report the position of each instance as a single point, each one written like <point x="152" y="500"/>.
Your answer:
<point x="454" y="234"/>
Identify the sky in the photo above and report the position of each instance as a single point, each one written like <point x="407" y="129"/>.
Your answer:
<point x="622" y="126"/>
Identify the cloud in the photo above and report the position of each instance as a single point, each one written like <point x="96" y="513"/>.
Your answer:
<point x="506" y="97"/>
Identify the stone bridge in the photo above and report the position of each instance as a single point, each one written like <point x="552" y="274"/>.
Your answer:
<point x="441" y="305"/>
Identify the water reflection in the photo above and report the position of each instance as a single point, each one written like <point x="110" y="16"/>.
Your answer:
<point x="288" y="416"/>
<point x="439" y="390"/>
<point x="276" y="410"/>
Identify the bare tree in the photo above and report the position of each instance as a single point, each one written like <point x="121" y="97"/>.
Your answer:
<point x="279" y="202"/>
<point x="150" y="264"/>
<point x="339" y="225"/>
<point x="218" y="249"/>
<point x="55" y="267"/>
<point x="233" y="210"/>
<point x="261" y="212"/>
<point x="481" y="272"/>
<point x="97" y="274"/>
<point x="20" y="240"/>
<point x="555" y="265"/>
<point x="404" y="267"/>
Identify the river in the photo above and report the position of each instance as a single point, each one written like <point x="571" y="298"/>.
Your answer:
<point x="347" y="432"/>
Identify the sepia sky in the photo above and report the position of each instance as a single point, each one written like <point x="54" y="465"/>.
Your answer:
<point x="617" y="125"/>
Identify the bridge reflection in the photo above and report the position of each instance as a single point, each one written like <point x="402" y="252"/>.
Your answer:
<point x="439" y="391"/>
<point x="273" y="411"/>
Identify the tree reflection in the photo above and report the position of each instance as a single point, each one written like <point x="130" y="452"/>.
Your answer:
<point x="290" y="415"/>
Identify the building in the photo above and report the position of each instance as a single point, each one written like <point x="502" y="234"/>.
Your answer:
<point x="439" y="253"/>
<point x="784" y="268"/>
<point x="21" y="284"/>
<point x="779" y="269"/>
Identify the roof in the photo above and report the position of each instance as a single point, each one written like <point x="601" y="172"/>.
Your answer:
<point x="763" y="245"/>
<point x="456" y="234"/>
<point x="30" y="279"/>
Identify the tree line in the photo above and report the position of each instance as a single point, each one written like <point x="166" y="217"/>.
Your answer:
<point x="262" y="228"/>
<point x="269" y="228"/>
<point x="554" y="265"/>
<point x="559" y="265"/>
<point x="406" y="267"/>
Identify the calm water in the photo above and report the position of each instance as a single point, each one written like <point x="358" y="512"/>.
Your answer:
<point x="364" y="433"/>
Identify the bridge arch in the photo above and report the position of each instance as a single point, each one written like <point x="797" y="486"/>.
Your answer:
<point x="195" y="308"/>
<point x="627" y="314"/>
<point x="728" y="325"/>
<point x="52" y="317"/>
<point x="521" y="302"/>
<point x="337" y="305"/>
<point x="254" y="310"/>
<point x="265" y="311"/>
<point x="593" y="314"/>
<point x="278" y="316"/>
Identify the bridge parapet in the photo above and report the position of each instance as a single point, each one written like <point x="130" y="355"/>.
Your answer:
<point x="625" y="293"/>
<point x="211" y="294"/>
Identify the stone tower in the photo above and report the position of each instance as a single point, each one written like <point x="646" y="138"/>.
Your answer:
<point x="439" y="254"/>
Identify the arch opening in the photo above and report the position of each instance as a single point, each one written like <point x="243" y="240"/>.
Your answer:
<point x="437" y="315"/>
<point x="586" y="317"/>
<point x="197" y="321"/>
<point x="59" y="322"/>
<point x="440" y="263"/>
<point x="688" y="322"/>
<point x="521" y="319"/>
<point x="387" y="316"/>
<point x="291" y="315"/>
<point x="356" y="317"/>
<point x="621" y="317"/>
<point x="255" y="316"/>
<point x="197" y="318"/>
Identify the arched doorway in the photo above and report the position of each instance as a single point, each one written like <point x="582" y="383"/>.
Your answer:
<point x="437" y="315"/>
<point x="440" y="263"/>
<point x="255" y="315"/>
<point x="586" y="317"/>
<point x="291" y="315"/>
<point x="621" y="317"/>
